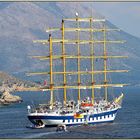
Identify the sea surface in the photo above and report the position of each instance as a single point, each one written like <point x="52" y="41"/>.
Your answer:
<point x="14" y="122"/>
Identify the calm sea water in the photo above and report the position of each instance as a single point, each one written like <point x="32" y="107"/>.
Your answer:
<point x="13" y="120"/>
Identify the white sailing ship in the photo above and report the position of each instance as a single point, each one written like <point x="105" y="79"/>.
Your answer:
<point x="83" y="110"/>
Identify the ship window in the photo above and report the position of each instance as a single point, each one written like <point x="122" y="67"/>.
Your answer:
<point x="112" y="115"/>
<point x="63" y="120"/>
<point x="108" y="116"/>
<point x="81" y="120"/>
<point x="93" y="118"/>
<point x="96" y="118"/>
<point x="68" y="120"/>
<point x="100" y="117"/>
<point x="104" y="116"/>
<point x="76" y="120"/>
<point x="72" y="120"/>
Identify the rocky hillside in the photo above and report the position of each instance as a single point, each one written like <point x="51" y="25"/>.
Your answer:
<point x="22" y="22"/>
<point x="8" y="81"/>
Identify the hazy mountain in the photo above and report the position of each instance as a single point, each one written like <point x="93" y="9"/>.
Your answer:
<point x="22" y="22"/>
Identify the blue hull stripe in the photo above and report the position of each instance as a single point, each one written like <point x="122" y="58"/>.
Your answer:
<point x="70" y="117"/>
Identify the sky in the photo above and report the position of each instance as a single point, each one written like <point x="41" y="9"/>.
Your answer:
<point x="125" y="15"/>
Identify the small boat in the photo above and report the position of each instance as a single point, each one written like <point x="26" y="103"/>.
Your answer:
<point x="61" y="128"/>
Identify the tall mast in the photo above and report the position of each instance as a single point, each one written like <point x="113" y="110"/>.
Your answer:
<point x="91" y="42"/>
<point x="78" y="59"/>
<point x="105" y="62"/>
<point x="92" y="61"/>
<point x="64" y="63"/>
<point x="51" y="71"/>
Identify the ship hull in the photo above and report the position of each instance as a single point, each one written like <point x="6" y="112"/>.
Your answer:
<point x="69" y="120"/>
